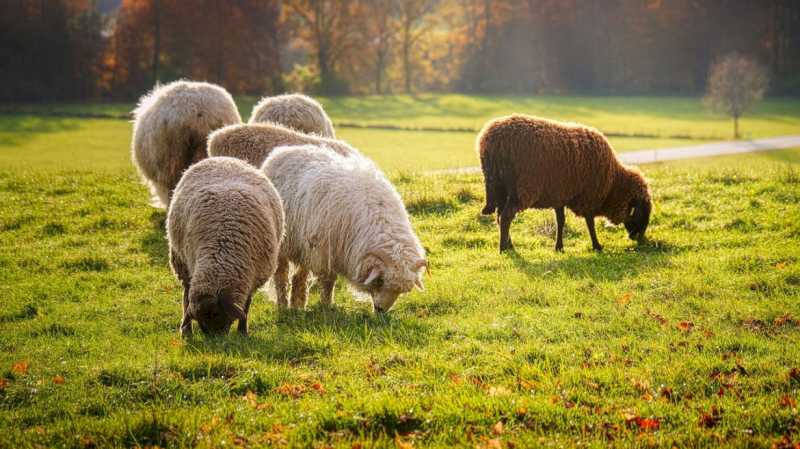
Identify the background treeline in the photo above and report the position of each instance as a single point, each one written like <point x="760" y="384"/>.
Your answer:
<point x="75" y="49"/>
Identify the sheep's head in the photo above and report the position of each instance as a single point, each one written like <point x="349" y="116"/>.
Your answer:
<point x="385" y="277"/>
<point x="638" y="217"/>
<point x="215" y="314"/>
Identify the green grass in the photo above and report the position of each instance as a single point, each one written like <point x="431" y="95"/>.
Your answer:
<point x="659" y="116"/>
<point x="73" y="143"/>
<point x="564" y="350"/>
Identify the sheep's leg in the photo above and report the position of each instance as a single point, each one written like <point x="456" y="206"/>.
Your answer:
<point x="595" y="244"/>
<point x="506" y="216"/>
<point x="186" y="322"/>
<point x="560" y="229"/>
<point x="300" y="288"/>
<point x="327" y="284"/>
<point x="242" y="329"/>
<point x="282" y="282"/>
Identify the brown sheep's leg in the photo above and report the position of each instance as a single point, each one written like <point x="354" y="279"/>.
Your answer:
<point x="242" y="328"/>
<point x="506" y="216"/>
<point x="560" y="229"/>
<point x="595" y="244"/>
<point x="186" y="322"/>
<point x="300" y="288"/>
<point x="282" y="282"/>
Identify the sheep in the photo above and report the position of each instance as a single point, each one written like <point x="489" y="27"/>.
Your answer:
<point x="170" y="127"/>
<point x="530" y="162"/>
<point x="254" y="142"/>
<point x="295" y="111"/>
<point x="225" y="226"/>
<point x="343" y="217"/>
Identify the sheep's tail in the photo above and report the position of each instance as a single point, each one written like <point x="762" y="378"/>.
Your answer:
<point x="494" y="187"/>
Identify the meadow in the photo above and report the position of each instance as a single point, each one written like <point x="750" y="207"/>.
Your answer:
<point x="689" y="339"/>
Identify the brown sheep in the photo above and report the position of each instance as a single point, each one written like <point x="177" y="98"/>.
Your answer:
<point x="253" y="142"/>
<point x="530" y="162"/>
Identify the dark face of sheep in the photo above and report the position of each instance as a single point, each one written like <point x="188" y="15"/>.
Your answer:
<point x="638" y="218"/>
<point x="215" y="315"/>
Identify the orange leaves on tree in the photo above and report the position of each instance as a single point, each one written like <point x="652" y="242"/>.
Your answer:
<point x="20" y="368"/>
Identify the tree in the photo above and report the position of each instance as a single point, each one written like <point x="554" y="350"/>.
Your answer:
<point x="412" y="28"/>
<point x="735" y="82"/>
<point x="379" y="15"/>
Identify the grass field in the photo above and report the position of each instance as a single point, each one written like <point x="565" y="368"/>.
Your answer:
<point x="689" y="340"/>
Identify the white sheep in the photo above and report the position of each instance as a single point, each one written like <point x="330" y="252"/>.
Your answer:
<point x="225" y="225"/>
<point x="254" y="142"/>
<point x="295" y="111"/>
<point x="171" y="125"/>
<point x="343" y="217"/>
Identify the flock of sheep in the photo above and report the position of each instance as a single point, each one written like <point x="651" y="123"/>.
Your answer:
<point x="281" y="198"/>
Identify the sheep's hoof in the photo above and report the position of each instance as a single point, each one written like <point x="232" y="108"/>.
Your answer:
<point x="560" y="249"/>
<point x="488" y="210"/>
<point x="598" y="248"/>
<point x="186" y="331"/>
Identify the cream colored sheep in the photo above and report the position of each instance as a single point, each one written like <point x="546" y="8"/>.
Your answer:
<point x="295" y="111"/>
<point x="170" y="129"/>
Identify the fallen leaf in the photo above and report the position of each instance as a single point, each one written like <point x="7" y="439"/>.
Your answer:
<point x="528" y="385"/>
<point x="650" y="424"/>
<point x="712" y="418"/>
<point x="685" y="326"/>
<point x="642" y="385"/>
<point x="665" y="392"/>
<point x="569" y="404"/>
<point x="660" y="318"/>
<point x="402" y="444"/>
<point x="780" y="265"/>
<point x="250" y="398"/>
<point x="787" y="401"/>
<point x="647" y="397"/>
<point x="58" y="379"/>
<point x="318" y="387"/>
<point x="3" y="384"/>
<point x="625" y="298"/>
<point x="494" y="443"/>
<point x="785" y="443"/>
<point x="794" y="374"/>
<point x="456" y="378"/>
<point x="497" y="428"/>
<point x="555" y="399"/>
<point x="783" y="320"/>
<point x="499" y="391"/>
<point x="20" y="368"/>
<point x="374" y="369"/>
<point x="292" y="390"/>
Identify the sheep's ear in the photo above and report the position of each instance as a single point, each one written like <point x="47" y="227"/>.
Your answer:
<point x="422" y="263"/>
<point x="231" y="308"/>
<point x="373" y="274"/>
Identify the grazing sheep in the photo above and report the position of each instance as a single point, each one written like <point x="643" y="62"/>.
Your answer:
<point x="254" y="142"/>
<point x="170" y="127"/>
<point x="225" y="227"/>
<point x="530" y="162"/>
<point x="294" y="111"/>
<point x="343" y="217"/>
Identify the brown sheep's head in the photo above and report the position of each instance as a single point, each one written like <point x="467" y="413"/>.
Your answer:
<point x="638" y="217"/>
<point x="215" y="314"/>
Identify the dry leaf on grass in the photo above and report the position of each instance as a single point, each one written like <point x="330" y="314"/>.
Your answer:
<point x="20" y="368"/>
<point x="625" y="298"/>
<point x="787" y="401"/>
<point x="402" y="444"/>
<point x="58" y="379"/>
<point x="497" y="428"/>
<point x="685" y="326"/>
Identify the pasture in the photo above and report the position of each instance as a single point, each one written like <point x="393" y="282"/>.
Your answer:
<point x="689" y="340"/>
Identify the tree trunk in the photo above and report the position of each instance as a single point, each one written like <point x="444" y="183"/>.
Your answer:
<point x="220" y="73"/>
<point x="407" y="55"/>
<point x="736" y="127"/>
<point x="156" y="38"/>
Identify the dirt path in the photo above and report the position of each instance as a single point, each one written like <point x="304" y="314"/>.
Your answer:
<point x="672" y="154"/>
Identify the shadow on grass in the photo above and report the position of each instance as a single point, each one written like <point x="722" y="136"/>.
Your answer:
<point x="154" y="242"/>
<point x="16" y="129"/>
<point x="303" y="336"/>
<point x="601" y="266"/>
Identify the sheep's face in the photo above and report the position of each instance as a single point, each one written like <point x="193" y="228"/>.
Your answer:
<point x="215" y="315"/>
<point x="638" y="218"/>
<point x="385" y="282"/>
